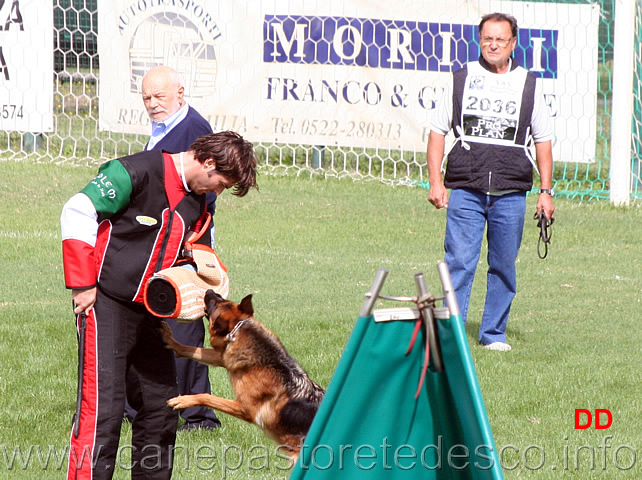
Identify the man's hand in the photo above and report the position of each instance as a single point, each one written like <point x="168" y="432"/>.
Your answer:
<point x="84" y="299"/>
<point x="545" y="204"/>
<point x="438" y="195"/>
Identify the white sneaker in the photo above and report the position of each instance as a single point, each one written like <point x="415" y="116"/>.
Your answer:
<point x="498" y="347"/>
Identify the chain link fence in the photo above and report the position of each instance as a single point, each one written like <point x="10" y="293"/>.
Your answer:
<point x="77" y="138"/>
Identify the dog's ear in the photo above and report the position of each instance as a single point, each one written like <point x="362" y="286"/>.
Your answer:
<point x="246" y="306"/>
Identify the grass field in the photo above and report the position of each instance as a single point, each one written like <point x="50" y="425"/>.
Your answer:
<point x="308" y="249"/>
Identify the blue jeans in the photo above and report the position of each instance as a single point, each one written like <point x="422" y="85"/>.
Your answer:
<point x="469" y="212"/>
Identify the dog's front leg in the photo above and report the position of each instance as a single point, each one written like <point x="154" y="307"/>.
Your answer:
<point x="204" y="355"/>
<point x="231" y="407"/>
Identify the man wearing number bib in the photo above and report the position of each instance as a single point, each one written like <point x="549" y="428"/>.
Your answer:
<point x="495" y="109"/>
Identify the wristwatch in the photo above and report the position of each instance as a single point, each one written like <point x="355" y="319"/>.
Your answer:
<point x="547" y="190"/>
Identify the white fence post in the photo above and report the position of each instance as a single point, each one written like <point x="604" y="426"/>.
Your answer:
<point x="622" y="109"/>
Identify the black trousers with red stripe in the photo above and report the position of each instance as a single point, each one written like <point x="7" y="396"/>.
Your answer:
<point x="192" y="376"/>
<point x="124" y="352"/>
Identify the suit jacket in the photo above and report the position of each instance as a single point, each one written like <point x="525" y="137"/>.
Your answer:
<point x="181" y="137"/>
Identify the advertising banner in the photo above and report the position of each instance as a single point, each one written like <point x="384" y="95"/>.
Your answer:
<point x="26" y="66"/>
<point x="339" y="73"/>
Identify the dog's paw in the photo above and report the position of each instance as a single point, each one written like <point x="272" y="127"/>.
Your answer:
<point x="166" y="334"/>
<point x="180" y="402"/>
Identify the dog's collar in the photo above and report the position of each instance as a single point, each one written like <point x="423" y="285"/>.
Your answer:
<point x="230" y="336"/>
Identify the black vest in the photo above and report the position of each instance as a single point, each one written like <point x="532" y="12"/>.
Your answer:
<point x="147" y="236"/>
<point x="494" y="165"/>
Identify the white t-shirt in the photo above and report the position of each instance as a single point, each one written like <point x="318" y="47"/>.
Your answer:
<point x="541" y="127"/>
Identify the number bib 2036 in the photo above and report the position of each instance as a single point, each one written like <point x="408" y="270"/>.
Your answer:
<point x="491" y="105"/>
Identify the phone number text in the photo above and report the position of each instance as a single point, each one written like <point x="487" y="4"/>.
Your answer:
<point x="336" y="128"/>
<point x="11" y="111"/>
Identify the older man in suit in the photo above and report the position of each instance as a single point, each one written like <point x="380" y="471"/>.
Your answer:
<point x="175" y="126"/>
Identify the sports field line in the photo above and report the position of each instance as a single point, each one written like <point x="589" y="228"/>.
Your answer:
<point x="311" y="257"/>
<point x="29" y="235"/>
<point x="29" y="303"/>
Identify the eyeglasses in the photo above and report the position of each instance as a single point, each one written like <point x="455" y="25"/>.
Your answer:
<point x="501" y="42"/>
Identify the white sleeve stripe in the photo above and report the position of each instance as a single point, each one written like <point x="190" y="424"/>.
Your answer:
<point x="79" y="220"/>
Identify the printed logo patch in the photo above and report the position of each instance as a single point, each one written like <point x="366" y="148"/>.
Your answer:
<point x="144" y="220"/>
<point x="476" y="82"/>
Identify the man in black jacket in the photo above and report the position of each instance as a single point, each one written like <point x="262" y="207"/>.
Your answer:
<point x="128" y="223"/>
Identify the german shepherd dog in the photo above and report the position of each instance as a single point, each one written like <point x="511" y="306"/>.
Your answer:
<point x="272" y="391"/>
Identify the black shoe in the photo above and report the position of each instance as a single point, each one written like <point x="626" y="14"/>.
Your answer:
<point x="188" y="426"/>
